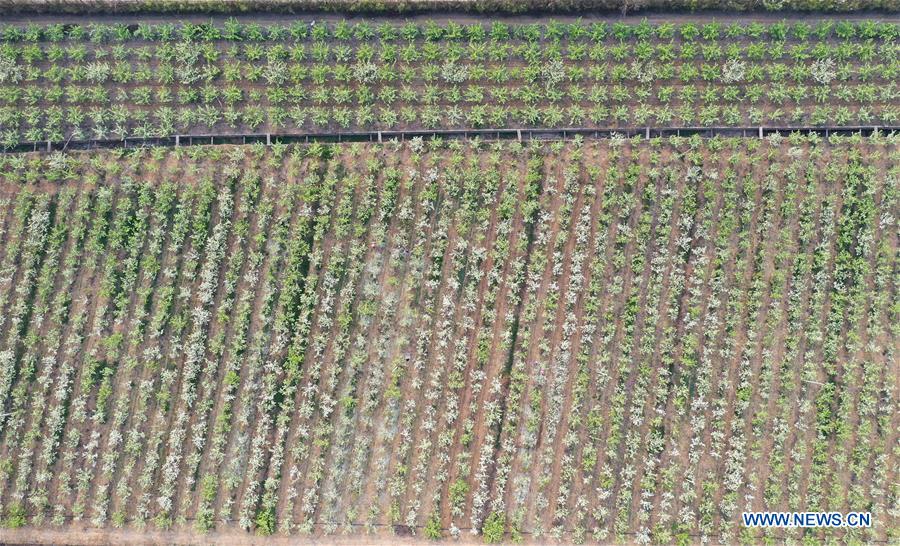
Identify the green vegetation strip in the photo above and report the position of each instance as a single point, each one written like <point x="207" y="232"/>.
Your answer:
<point x="412" y="6"/>
<point x="96" y="81"/>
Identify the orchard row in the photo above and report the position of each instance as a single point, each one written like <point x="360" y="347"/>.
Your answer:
<point x="618" y="340"/>
<point x="102" y="82"/>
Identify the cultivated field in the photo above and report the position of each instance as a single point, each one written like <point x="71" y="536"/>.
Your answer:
<point x="109" y="81"/>
<point x="622" y="340"/>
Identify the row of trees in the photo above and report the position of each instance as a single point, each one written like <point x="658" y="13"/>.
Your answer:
<point x="345" y="31"/>
<point x="618" y="340"/>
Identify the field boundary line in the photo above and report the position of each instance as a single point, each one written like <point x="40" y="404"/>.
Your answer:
<point x="521" y="135"/>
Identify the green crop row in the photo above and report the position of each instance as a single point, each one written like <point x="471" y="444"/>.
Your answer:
<point x="345" y="31"/>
